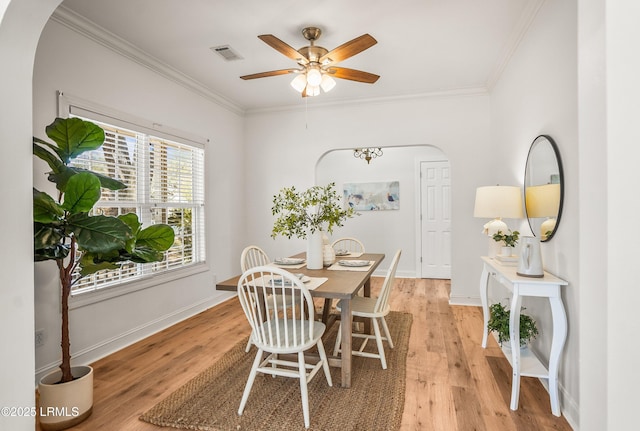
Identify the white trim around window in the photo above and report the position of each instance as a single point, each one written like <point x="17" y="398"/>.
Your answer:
<point x="164" y="171"/>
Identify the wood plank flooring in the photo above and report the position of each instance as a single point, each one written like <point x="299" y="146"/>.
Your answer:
<point x="452" y="383"/>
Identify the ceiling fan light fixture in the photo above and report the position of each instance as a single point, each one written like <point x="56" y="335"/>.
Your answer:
<point x="314" y="77"/>
<point x="327" y="83"/>
<point x="315" y="62"/>
<point x="299" y="82"/>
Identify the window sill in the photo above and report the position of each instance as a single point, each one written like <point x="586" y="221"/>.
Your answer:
<point x="88" y="298"/>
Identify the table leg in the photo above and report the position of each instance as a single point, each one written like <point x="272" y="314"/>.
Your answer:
<point x="514" y="339"/>
<point x="346" y="323"/>
<point x="559" y="337"/>
<point x="325" y="310"/>
<point x="484" y="286"/>
<point x="367" y="292"/>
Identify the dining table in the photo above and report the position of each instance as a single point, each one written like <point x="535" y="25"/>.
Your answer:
<point x="343" y="282"/>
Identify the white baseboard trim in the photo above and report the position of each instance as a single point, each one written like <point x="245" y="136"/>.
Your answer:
<point x="465" y="300"/>
<point x="569" y="407"/>
<point x="106" y="347"/>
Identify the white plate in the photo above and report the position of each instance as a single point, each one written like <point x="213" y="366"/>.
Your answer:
<point x="342" y="252"/>
<point x="288" y="261"/>
<point x="354" y="263"/>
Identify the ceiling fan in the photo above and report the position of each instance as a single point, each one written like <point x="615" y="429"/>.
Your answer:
<point x="317" y="64"/>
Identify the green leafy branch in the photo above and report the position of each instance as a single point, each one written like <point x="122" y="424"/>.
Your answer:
<point x="305" y="212"/>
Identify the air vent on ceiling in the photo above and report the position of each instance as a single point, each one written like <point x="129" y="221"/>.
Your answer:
<point x="226" y="52"/>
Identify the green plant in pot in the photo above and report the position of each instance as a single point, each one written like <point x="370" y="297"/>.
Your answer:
<point x="80" y="242"/>
<point x="509" y="241"/>
<point x="305" y="214"/>
<point x="499" y="322"/>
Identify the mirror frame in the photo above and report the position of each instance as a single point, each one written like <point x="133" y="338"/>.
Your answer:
<point x="537" y="141"/>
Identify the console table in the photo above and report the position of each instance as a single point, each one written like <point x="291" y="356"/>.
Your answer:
<point x="523" y="361"/>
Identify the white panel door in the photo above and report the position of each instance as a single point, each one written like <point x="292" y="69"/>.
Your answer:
<point x="435" y="215"/>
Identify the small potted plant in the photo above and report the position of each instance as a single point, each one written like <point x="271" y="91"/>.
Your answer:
<point x="499" y="322"/>
<point x="509" y="241"/>
<point x="306" y="214"/>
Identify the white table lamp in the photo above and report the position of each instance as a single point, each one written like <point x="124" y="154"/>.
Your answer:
<point x="497" y="202"/>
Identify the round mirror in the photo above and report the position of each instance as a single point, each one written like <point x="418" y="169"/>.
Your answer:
<point x="543" y="187"/>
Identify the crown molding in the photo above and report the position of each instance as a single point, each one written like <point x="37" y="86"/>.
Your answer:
<point x="458" y="92"/>
<point x="513" y="42"/>
<point x="93" y="31"/>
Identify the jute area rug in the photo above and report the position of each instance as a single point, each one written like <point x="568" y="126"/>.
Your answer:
<point x="375" y="401"/>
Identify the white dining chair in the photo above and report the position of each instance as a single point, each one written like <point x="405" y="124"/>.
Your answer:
<point x="277" y="333"/>
<point x="374" y="309"/>
<point x="253" y="256"/>
<point x="352" y="245"/>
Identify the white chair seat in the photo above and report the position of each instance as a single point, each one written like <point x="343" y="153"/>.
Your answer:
<point x="374" y="309"/>
<point x="287" y="336"/>
<point x="363" y="306"/>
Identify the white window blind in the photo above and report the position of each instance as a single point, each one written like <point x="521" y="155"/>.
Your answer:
<point x="165" y="184"/>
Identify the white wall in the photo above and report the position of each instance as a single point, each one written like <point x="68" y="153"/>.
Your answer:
<point x="20" y="25"/>
<point x="283" y="148"/>
<point x="535" y="95"/>
<point x="620" y="259"/>
<point x="592" y="120"/>
<point x="382" y="231"/>
<point x="109" y="79"/>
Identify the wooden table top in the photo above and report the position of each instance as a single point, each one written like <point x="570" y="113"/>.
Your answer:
<point x="340" y="284"/>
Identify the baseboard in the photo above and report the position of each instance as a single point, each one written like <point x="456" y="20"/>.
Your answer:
<point x="568" y="406"/>
<point x="112" y="345"/>
<point x="465" y="300"/>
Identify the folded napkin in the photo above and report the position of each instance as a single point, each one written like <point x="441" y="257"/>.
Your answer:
<point x="315" y="282"/>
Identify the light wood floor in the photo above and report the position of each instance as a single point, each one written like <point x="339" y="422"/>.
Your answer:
<point x="452" y="383"/>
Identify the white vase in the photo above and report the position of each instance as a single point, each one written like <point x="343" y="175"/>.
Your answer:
<point x="63" y="405"/>
<point x="328" y="253"/>
<point x="314" y="250"/>
<point x="506" y="251"/>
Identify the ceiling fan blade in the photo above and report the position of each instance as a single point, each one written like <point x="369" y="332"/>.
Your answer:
<point x="353" y="75"/>
<point x="283" y="48"/>
<point x="270" y="73"/>
<point x="349" y="49"/>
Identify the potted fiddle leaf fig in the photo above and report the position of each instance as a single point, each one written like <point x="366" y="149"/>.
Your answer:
<point x="305" y="214"/>
<point x="81" y="243"/>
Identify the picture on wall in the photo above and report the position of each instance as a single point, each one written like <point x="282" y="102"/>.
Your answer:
<point x="380" y="196"/>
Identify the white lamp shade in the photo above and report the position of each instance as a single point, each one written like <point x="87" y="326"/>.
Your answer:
<point x="327" y="83"/>
<point x="498" y="202"/>
<point x="299" y="82"/>
<point x="543" y="201"/>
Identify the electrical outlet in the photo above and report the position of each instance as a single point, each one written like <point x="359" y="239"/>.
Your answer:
<point x="39" y="337"/>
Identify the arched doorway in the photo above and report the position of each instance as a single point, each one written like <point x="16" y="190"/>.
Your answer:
<point x="416" y="224"/>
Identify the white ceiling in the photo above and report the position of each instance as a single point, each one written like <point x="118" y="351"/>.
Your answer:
<point x="424" y="46"/>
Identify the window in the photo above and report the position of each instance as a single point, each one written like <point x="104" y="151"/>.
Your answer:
<point x="165" y="184"/>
